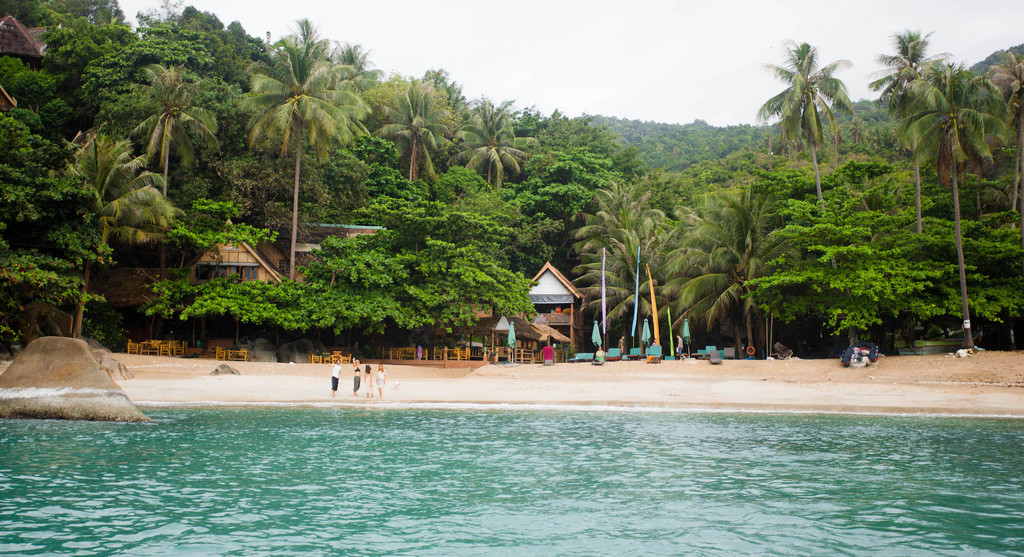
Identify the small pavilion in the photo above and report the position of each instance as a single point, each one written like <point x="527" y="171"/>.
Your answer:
<point x="557" y="302"/>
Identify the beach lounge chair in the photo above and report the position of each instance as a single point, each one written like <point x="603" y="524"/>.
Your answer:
<point x="716" y="357"/>
<point x="654" y="354"/>
<point x="635" y="353"/>
<point x="583" y="357"/>
<point x="613" y="355"/>
<point x="730" y="353"/>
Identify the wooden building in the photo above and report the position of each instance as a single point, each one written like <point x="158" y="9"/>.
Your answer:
<point x="233" y="259"/>
<point x="18" y="41"/>
<point x="557" y="302"/>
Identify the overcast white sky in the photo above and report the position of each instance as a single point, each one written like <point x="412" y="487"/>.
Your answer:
<point x="663" y="61"/>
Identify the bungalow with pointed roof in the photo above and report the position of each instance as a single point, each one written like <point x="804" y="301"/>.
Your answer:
<point x="18" y="41"/>
<point x="557" y="302"/>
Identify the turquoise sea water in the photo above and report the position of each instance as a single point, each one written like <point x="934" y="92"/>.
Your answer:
<point x="337" y="481"/>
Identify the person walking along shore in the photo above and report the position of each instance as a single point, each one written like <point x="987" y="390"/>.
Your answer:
<point x="335" y="376"/>
<point x="355" y="378"/>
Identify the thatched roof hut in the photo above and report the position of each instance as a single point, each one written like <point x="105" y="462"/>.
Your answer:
<point x="18" y="41"/>
<point x="127" y="287"/>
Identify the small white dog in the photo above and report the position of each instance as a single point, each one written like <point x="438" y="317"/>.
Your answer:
<point x="397" y="384"/>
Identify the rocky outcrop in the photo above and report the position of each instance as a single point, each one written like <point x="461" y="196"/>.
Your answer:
<point x="260" y="350"/>
<point x="114" y="368"/>
<point x="297" y="351"/>
<point x="58" y="378"/>
<point x="225" y="369"/>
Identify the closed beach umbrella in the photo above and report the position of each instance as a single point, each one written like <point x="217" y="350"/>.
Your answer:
<point x="512" y="339"/>
<point x="686" y="335"/>
<point x="596" y="337"/>
<point x="646" y="335"/>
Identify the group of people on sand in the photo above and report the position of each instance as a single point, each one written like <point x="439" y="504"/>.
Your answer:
<point x="366" y="378"/>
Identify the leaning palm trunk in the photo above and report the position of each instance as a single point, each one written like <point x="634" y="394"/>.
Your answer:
<point x="968" y="340"/>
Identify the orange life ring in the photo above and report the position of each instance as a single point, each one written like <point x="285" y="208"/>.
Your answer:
<point x="750" y="351"/>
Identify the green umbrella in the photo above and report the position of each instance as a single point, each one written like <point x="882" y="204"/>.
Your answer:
<point x="512" y="339"/>
<point x="686" y="335"/>
<point x="646" y="334"/>
<point x="596" y="337"/>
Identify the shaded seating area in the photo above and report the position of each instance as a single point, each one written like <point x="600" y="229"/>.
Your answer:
<point x="336" y="356"/>
<point x="157" y="347"/>
<point x="224" y="354"/>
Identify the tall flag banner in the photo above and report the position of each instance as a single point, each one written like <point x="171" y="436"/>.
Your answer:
<point x="604" y="299"/>
<point x="654" y="308"/>
<point x="636" y="294"/>
<point x="671" y="339"/>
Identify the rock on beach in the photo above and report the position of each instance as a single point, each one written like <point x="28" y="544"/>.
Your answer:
<point x="58" y="378"/>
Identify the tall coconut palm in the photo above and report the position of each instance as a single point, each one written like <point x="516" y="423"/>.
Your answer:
<point x="952" y="114"/>
<point x="728" y="242"/>
<point x="901" y="70"/>
<point x="303" y="92"/>
<point x="808" y="103"/>
<point x="415" y="126"/>
<point x="491" y="145"/>
<point x="1008" y="75"/>
<point x="623" y="222"/>
<point x="167" y="128"/>
<point x="360" y="73"/>
<point x="124" y="198"/>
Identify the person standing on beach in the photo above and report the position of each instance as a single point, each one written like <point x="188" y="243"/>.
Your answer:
<point x="355" y="378"/>
<point x="622" y="347"/>
<point x="369" y="382"/>
<point x="335" y="376"/>
<point x="382" y="379"/>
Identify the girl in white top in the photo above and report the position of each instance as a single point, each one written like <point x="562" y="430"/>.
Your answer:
<point x="382" y="379"/>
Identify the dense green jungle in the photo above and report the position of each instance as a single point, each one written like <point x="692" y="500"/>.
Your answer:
<point x="892" y="219"/>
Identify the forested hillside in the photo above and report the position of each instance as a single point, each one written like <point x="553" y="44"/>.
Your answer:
<point x="140" y="149"/>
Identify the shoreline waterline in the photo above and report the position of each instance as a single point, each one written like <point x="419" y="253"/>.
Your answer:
<point x="562" y="407"/>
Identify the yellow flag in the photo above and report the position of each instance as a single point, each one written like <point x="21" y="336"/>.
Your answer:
<point x="654" y="307"/>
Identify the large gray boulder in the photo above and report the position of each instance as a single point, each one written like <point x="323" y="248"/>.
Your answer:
<point x="260" y="350"/>
<point x="114" y="368"/>
<point x="297" y="351"/>
<point x="58" y="378"/>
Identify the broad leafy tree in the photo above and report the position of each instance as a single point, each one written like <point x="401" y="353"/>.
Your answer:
<point x="1008" y="75"/>
<point x="303" y="93"/>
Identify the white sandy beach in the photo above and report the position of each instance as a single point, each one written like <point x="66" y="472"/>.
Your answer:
<point x="989" y="383"/>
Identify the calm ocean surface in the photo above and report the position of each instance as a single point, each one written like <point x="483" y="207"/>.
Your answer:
<point x="345" y="481"/>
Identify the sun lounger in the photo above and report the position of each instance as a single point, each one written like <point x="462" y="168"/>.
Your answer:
<point x="730" y="353"/>
<point x="583" y="357"/>
<point x="634" y="353"/>
<point x="654" y="354"/>
<point x="613" y="355"/>
<point x="715" y="357"/>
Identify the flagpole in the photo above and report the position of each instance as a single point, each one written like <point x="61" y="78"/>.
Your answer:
<point x="604" y="301"/>
<point x="636" y="295"/>
<point x="654" y="308"/>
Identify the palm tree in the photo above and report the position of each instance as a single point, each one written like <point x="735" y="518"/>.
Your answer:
<point x="302" y="91"/>
<point x="624" y="221"/>
<point x="415" y="125"/>
<point x="952" y="115"/>
<point x="491" y="143"/>
<point x="360" y="73"/>
<point x="125" y="200"/>
<point x="812" y="95"/>
<point x="729" y="242"/>
<point x="1008" y="75"/>
<point x="167" y="129"/>
<point x="902" y="69"/>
